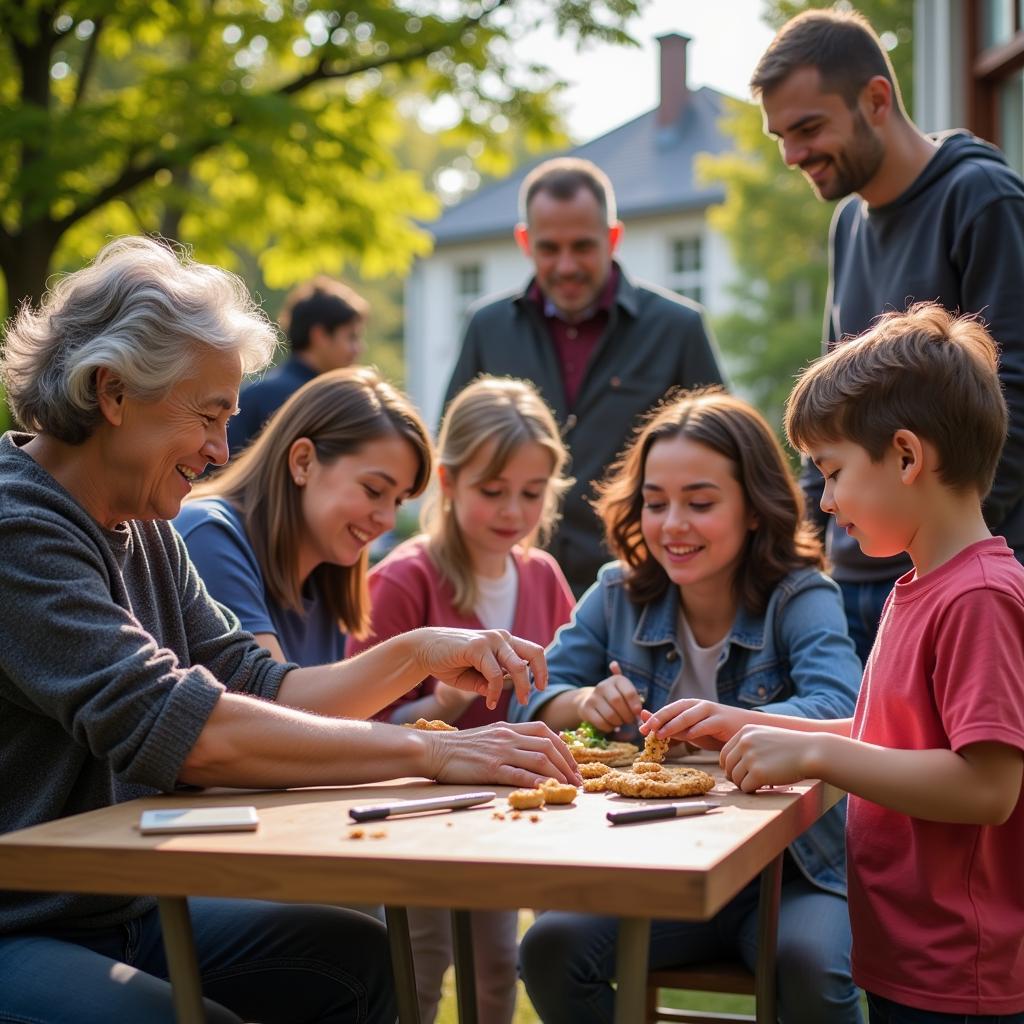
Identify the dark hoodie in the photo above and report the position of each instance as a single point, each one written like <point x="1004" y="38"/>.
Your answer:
<point x="956" y="236"/>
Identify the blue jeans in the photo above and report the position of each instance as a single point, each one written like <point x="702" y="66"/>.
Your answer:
<point x="567" y="961"/>
<point x="863" y="603"/>
<point x="885" y="1011"/>
<point x="275" y="963"/>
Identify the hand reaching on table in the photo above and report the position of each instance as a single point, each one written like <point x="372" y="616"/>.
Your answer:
<point x="612" y="702"/>
<point x="479" y="661"/>
<point x="762" y="755"/>
<point x="521" y="755"/>
<point x="702" y="723"/>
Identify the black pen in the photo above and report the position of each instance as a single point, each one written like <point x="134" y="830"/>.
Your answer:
<point x="376" y="812"/>
<point x="659" y="813"/>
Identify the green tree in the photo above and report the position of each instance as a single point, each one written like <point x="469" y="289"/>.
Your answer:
<point x="778" y="231"/>
<point x="267" y="126"/>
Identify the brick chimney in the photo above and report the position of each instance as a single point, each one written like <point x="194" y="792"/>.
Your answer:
<point x="674" y="92"/>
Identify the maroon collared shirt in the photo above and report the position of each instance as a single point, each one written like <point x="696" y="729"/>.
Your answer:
<point x="575" y="343"/>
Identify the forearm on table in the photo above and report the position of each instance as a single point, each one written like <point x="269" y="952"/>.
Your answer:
<point x="253" y="743"/>
<point x="562" y="711"/>
<point x="832" y="726"/>
<point x="427" y="707"/>
<point x="935" y="785"/>
<point x="357" y="687"/>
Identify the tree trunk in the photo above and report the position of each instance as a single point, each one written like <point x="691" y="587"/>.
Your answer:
<point x="25" y="265"/>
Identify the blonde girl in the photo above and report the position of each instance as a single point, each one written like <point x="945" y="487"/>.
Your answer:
<point x="500" y="478"/>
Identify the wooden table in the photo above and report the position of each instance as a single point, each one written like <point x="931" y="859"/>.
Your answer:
<point x="570" y="858"/>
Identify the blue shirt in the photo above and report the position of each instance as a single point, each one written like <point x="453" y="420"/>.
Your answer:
<point x="220" y="549"/>
<point x="794" y="659"/>
<point x="259" y="400"/>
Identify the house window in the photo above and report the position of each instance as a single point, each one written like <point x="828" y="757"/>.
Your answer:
<point x="1011" y="120"/>
<point x="996" y="22"/>
<point x="686" y="267"/>
<point x="995" y="34"/>
<point x="469" y="285"/>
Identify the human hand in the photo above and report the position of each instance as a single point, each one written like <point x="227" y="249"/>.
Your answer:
<point x="612" y="702"/>
<point x="520" y="755"/>
<point x="702" y="723"/>
<point x="478" y="661"/>
<point x="762" y="755"/>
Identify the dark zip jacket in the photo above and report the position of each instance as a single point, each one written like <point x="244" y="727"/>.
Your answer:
<point x="654" y="341"/>
<point x="955" y="236"/>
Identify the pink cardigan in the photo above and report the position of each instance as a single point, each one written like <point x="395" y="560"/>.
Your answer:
<point x="407" y="591"/>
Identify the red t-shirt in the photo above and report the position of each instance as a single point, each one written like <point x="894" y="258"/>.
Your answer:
<point x="938" y="909"/>
<point x="407" y="591"/>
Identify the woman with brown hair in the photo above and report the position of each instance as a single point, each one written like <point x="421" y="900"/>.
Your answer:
<point x="120" y="677"/>
<point x="717" y="594"/>
<point x="281" y="536"/>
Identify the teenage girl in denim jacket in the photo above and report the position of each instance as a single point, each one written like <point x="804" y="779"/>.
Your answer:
<point x="718" y="593"/>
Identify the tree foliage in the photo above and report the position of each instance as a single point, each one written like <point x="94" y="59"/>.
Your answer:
<point x="267" y="126"/>
<point x="778" y="230"/>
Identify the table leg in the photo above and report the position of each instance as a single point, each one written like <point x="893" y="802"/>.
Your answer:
<point x="401" y="965"/>
<point x="182" y="966"/>
<point x="767" y="940"/>
<point x="465" y="973"/>
<point x="631" y="953"/>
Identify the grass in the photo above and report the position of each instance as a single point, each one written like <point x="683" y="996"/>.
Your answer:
<point x="525" y="1014"/>
<point x="448" y="1014"/>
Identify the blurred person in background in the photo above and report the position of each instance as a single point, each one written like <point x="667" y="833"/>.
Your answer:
<point x="324" y="321"/>
<point x="601" y="348"/>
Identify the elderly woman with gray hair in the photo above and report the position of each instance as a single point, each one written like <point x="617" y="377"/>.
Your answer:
<point x="120" y="677"/>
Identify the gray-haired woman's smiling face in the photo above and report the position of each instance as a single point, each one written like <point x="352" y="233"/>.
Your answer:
<point x="156" y="450"/>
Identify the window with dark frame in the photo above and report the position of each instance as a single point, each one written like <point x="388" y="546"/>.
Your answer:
<point x="469" y="286"/>
<point x="686" y="267"/>
<point x="995" y="87"/>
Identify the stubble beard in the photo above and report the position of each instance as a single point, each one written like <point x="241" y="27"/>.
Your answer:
<point x="857" y="164"/>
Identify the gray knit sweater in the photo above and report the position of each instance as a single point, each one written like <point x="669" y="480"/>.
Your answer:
<point x="112" y="657"/>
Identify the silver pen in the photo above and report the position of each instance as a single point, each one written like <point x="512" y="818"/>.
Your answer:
<point x="660" y="812"/>
<point x="377" y="812"/>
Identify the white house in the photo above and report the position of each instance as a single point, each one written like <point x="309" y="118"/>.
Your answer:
<point x="650" y="161"/>
<point x="969" y="70"/>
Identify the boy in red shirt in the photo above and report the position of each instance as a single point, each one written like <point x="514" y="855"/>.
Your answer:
<point x="906" y="424"/>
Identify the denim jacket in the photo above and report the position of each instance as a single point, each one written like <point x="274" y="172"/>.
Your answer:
<point x="794" y="659"/>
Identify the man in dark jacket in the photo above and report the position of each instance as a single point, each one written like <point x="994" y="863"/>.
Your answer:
<point x="937" y="218"/>
<point x="324" y="320"/>
<point x="601" y="348"/>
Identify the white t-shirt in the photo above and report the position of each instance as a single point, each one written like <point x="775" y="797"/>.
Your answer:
<point x="698" y="676"/>
<point x="496" y="598"/>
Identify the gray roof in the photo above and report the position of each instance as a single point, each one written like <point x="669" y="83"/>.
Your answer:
<point x="651" y="169"/>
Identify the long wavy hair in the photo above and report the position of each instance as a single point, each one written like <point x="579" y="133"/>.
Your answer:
<point x="782" y="542"/>
<point x="504" y="413"/>
<point x="340" y="412"/>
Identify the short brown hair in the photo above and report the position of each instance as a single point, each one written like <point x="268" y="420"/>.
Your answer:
<point x="562" y="178"/>
<point x="782" y="542"/>
<point x="841" y="45"/>
<point x="924" y="370"/>
<point x="321" y="302"/>
<point x="339" y="411"/>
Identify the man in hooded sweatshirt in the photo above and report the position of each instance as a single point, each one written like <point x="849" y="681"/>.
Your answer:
<point x="923" y="217"/>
